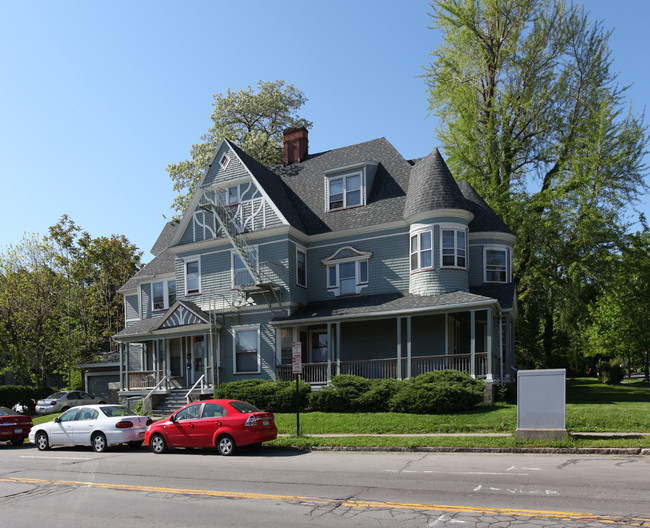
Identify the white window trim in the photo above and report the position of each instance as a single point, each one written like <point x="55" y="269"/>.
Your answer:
<point x="304" y="252"/>
<point x="165" y="283"/>
<point x="508" y="270"/>
<point x="224" y="161"/>
<point x="233" y="252"/>
<point x="246" y="328"/>
<point x="187" y="261"/>
<point x="455" y="228"/>
<point x="337" y="175"/>
<point x="334" y="262"/>
<point x="419" y="250"/>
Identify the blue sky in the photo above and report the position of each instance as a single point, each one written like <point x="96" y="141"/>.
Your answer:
<point x="97" y="98"/>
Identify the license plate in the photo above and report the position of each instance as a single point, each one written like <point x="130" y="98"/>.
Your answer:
<point x="265" y="422"/>
<point x="18" y="430"/>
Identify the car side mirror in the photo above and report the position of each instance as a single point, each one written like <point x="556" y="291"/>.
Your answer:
<point x="57" y="420"/>
<point x="172" y="418"/>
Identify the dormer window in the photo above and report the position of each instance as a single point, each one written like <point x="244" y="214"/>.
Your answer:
<point x="349" y="186"/>
<point x="345" y="191"/>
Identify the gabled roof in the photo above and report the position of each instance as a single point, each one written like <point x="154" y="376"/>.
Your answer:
<point x="164" y="239"/>
<point x="432" y="187"/>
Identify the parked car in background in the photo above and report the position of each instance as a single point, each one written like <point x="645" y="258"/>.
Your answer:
<point x="99" y="426"/>
<point x="14" y="427"/>
<point x="224" y="424"/>
<point x="64" y="400"/>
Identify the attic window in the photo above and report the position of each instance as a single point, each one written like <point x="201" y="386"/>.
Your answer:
<point x="344" y="191"/>
<point x="225" y="160"/>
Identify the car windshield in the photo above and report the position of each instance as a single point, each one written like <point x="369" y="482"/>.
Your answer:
<point x="55" y="396"/>
<point x="244" y="407"/>
<point x="6" y="412"/>
<point x="115" y="410"/>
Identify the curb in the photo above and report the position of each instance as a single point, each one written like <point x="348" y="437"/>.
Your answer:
<point x="512" y="450"/>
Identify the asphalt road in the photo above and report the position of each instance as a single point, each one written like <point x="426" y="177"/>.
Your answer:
<point x="66" y="487"/>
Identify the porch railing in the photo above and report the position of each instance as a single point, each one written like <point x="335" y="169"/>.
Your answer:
<point x="143" y="379"/>
<point x="387" y="368"/>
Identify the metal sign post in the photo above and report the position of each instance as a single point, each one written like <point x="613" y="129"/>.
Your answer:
<point x="296" y="362"/>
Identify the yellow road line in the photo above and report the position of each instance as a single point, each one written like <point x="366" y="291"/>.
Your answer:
<point x="357" y="504"/>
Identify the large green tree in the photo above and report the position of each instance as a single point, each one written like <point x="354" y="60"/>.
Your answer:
<point x="58" y="300"/>
<point x="531" y="115"/>
<point x="621" y="316"/>
<point x="254" y="121"/>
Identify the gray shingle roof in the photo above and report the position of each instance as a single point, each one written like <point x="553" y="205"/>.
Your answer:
<point x="385" y="201"/>
<point x="165" y="237"/>
<point x="485" y="219"/>
<point x="160" y="265"/>
<point x="432" y="187"/>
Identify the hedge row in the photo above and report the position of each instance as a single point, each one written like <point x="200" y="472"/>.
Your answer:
<point x="440" y="392"/>
<point x="10" y="395"/>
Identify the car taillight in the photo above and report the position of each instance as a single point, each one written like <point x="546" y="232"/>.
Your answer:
<point x="124" y="425"/>
<point x="53" y="402"/>
<point x="251" y="421"/>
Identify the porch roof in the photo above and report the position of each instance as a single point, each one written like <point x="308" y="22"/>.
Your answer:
<point x="385" y="305"/>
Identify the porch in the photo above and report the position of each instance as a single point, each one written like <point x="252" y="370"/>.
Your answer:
<point x="392" y="368"/>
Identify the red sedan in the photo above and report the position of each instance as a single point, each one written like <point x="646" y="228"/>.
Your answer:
<point x="14" y="427"/>
<point x="224" y="424"/>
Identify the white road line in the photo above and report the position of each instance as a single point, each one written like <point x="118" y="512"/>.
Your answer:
<point x="56" y="457"/>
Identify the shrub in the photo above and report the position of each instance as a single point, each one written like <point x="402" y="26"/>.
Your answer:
<point x="377" y="397"/>
<point x="341" y="396"/>
<point x="272" y="396"/>
<point x="611" y="372"/>
<point x="440" y="392"/>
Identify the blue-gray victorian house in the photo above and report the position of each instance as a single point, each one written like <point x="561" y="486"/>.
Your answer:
<point x="378" y="266"/>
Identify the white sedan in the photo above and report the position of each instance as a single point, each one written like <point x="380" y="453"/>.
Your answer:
<point x="99" y="426"/>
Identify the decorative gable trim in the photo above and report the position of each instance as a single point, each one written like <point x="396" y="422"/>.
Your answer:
<point x="181" y="315"/>
<point x="346" y="254"/>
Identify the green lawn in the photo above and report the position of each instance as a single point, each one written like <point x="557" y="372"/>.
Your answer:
<point x="591" y="407"/>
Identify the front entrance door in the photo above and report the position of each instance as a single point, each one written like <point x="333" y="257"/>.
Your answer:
<point x="176" y="364"/>
<point x="319" y="346"/>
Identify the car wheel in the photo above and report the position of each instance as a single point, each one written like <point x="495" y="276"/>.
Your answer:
<point x="42" y="441"/>
<point x="136" y="444"/>
<point x="157" y="444"/>
<point x="225" y="445"/>
<point x="102" y="403"/>
<point x="17" y="441"/>
<point x="99" y="442"/>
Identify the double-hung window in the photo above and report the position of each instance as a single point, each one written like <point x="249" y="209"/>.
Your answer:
<point x="422" y="251"/>
<point x="301" y="267"/>
<point x="163" y="294"/>
<point x="344" y="191"/>
<point x="192" y="277"/>
<point x="454" y="248"/>
<point x="496" y="265"/>
<point x="240" y="274"/>
<point x="247" y="350"/>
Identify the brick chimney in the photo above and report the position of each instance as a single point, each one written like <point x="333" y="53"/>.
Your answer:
<point x="295" y="145"/>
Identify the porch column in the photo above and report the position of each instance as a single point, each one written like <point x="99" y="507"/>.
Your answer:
<point x="338" y="348"/>
<point x="156" y="362"/>
<point x="329" y="353"/>
<point x="472" y="347"/>
<point x="127" y="366"/>
<point x="205" y="358"/>
<point x="408" y="346"/>
<point x="163" y="364"/>
<point x="399" y="348"/>
<point x="502" y="321"/>
<point x="121" y="366"/>
<point x="490" y="330"/>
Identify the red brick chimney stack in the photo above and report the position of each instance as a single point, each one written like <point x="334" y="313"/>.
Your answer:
<point x="296" y="145"/>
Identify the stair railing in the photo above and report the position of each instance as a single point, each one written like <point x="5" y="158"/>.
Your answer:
<point x="146" y="401"/>
<point x="200" y="380"/>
